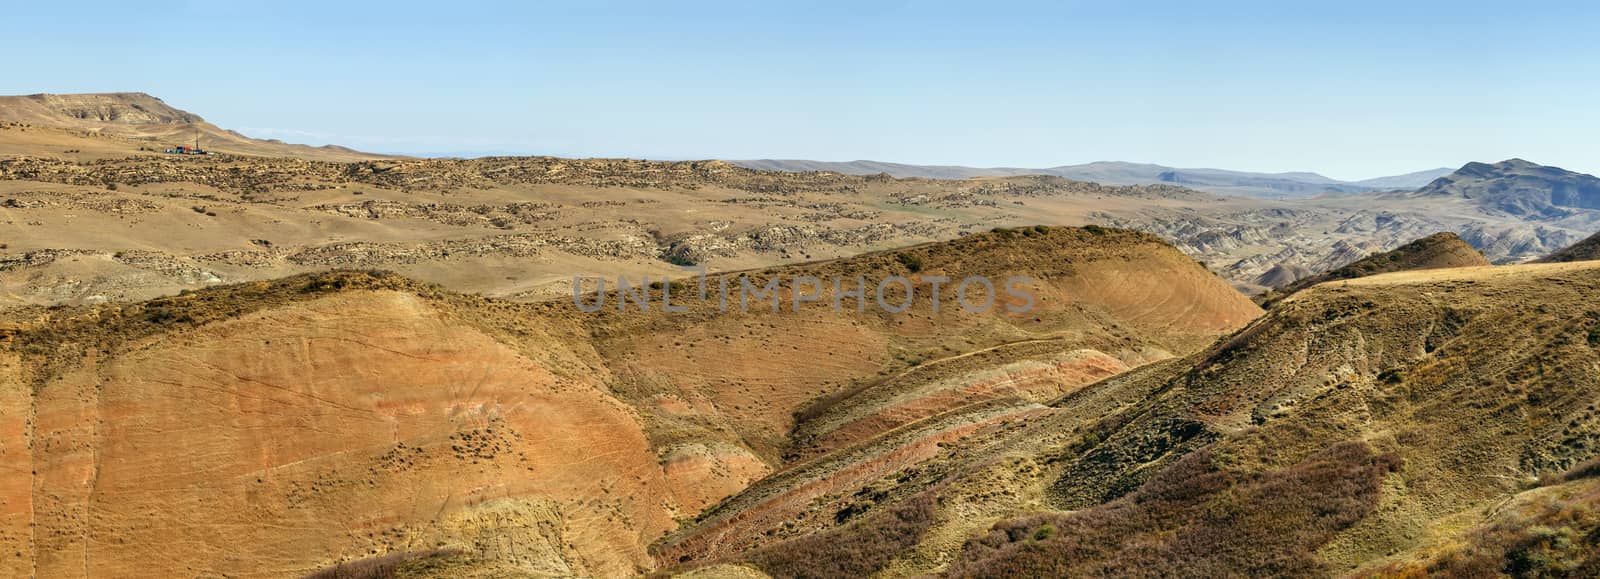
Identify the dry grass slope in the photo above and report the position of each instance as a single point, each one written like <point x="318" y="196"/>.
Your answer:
<point x="1354" y="427"/>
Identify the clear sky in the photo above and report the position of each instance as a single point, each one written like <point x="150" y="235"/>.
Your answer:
<point x="1353" y="89"/>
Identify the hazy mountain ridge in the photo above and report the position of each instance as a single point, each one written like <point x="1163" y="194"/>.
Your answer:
<point x="1520" y="188"/>
<point x="1512" y="211"/>
<point x="1291" y="184"/>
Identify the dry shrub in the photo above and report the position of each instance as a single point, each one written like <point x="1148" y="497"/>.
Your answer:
<point x="1586" y="469"/>
<point x="382" y="567"/>
<point x="1556" y="537"/>
<point x="1194" y="520"/>
<point x="855" y="550"/>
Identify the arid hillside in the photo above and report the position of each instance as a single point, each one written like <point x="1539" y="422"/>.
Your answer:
<point x="79" y="231"/>
<point x="133" y="122"/>
<point x="280" y="427"/>
<point x="92" y="211"/>
<point x="1435" y="419"/>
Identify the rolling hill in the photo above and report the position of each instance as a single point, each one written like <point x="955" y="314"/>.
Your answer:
<point x="136" y="121"/>
<point x="1375" y="426"/>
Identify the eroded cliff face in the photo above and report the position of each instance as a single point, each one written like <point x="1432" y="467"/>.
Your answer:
<point x="354" y="425"/>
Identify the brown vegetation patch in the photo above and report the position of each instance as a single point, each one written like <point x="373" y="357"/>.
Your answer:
<point x="1194" y="519"/>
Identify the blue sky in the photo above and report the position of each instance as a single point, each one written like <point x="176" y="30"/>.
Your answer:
<point x="1351" y="89"/>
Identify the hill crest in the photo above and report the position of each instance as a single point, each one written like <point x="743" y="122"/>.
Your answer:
<point x="140" y="117"/>
<point x="1437" y="251"/>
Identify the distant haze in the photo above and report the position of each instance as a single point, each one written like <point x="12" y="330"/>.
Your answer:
<point x="1222" y="181"/>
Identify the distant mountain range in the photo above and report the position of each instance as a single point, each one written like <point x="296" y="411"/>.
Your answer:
<point x="1220" y="181"/>
<point x="1519" y="188"/>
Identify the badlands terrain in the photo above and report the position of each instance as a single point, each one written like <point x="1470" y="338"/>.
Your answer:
<point x="285" y="361"/>
<point x="93" y="212"/>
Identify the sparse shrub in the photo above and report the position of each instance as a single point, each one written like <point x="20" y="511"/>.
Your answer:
<point x="680" y="259"/>
<point x="1096" y="229"/>
<point x="323" y="284"/>
<point x="1090" y="439"/>
<point x="912" y="262"/>
<point x="1594" y="337"/>
<point x="1391" y="376"/>
<point x="1045" y="531"/>
<point x="162" y="315"/>
<point x="111" y="186"/>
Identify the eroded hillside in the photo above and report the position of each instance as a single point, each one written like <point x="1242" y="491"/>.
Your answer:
<point x="275" y="428"/>
<point x="1368" y="424"/>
